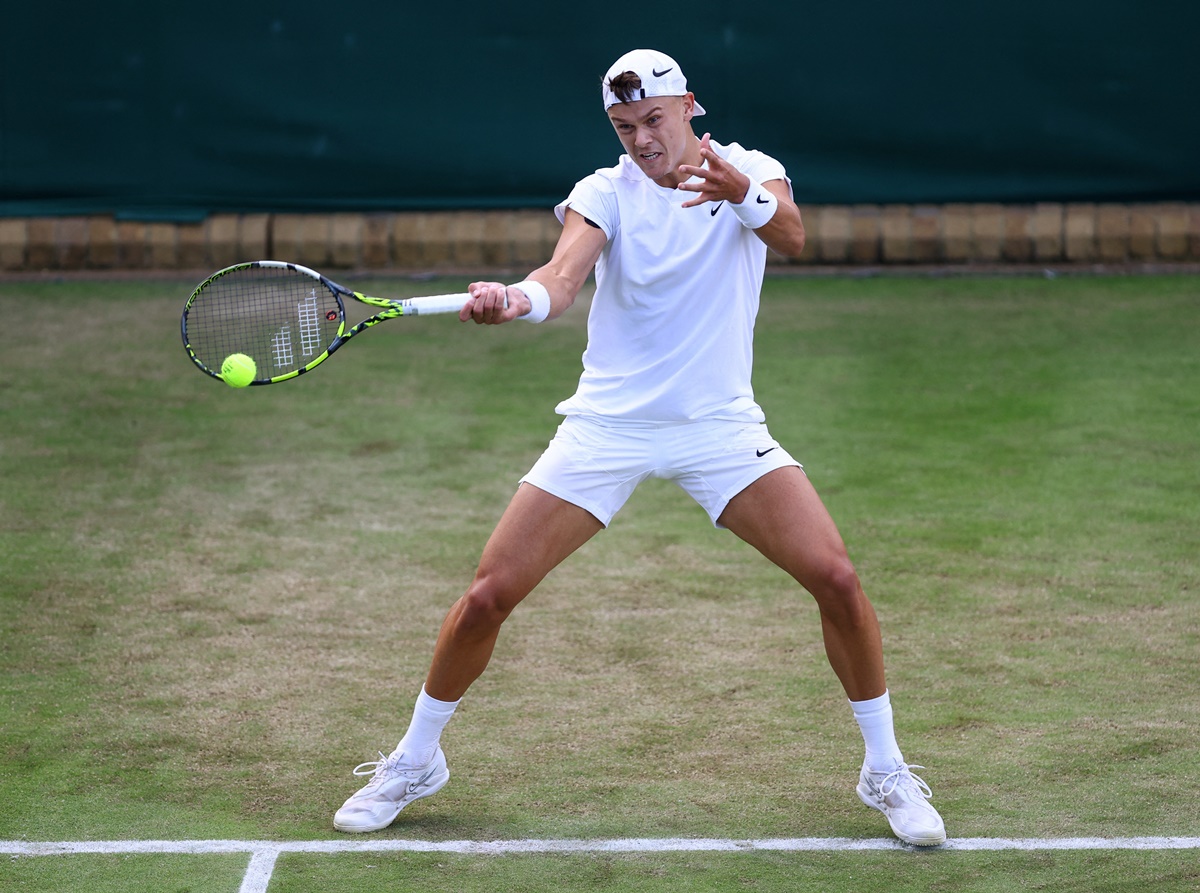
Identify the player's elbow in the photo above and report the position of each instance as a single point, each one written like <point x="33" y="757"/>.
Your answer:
<point x="795" y="246"/>
<point x="789" y="243"/>
<point x="785" y="233"/>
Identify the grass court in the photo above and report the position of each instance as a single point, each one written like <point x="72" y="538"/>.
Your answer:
<point x="215" y="603"/>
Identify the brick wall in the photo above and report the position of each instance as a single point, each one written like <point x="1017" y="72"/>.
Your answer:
<point x="963" y="234"/>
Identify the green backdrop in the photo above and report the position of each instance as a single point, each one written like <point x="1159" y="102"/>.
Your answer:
<point x="149" y="110"/>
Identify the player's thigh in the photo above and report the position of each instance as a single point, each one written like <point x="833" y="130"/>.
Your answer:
<point x="534" y="535"/>
<point x="781" y="515"/>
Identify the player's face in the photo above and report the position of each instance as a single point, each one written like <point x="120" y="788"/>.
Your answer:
<point x="657" y="134"/>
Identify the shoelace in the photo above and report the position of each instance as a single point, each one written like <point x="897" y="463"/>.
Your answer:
<point x="377" y="767"/>
<point x="898" y="777"/>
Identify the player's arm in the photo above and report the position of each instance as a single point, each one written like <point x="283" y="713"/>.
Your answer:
<point x="575" y="255"/>
<point x="784" y="232"/>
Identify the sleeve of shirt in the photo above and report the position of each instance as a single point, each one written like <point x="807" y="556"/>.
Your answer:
<point x="595" y="199"/>
<point x="758" y="165"/>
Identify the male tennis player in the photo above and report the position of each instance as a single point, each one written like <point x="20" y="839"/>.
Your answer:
<point x="677" y="233"/>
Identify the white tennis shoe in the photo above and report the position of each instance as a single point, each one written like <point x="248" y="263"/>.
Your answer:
<point x="904" y="798"/>
<point x="391" y="788"/>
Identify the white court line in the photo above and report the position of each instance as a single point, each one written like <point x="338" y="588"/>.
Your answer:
<point x="264" y="853"/>
<point x="259" y="871"/>
<point x="619" y="845"/>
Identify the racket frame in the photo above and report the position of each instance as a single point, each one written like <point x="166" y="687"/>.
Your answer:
<point x="387" y="309"/>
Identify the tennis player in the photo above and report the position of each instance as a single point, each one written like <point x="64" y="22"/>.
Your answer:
<point x="677" y="233"/>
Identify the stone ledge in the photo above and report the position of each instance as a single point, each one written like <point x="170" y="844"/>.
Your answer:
<point x="429" y="241"/>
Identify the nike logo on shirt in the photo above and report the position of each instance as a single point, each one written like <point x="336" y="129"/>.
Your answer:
<point x="715" y="208"/>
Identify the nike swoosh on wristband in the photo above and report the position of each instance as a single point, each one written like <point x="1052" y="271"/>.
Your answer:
<point x="762" y="201"/>
<point x="659" y="74"/>
<point x="761" y="453"/>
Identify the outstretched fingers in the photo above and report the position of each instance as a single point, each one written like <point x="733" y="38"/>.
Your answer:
<point x="719" y="180"/>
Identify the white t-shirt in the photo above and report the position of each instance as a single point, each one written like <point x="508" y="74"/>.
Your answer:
<point x="670" y="333"/>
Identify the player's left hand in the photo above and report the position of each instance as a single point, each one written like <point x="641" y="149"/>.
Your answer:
<point x="493" y="303"/>
<point x="720" y="180"/>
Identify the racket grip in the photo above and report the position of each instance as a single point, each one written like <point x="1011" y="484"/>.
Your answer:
<point x="435" y="304"/>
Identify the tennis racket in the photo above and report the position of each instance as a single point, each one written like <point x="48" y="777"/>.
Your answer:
<point x="287" y="318"/>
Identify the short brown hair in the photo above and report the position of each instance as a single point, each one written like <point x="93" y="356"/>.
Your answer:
<point x="627" y="86"/>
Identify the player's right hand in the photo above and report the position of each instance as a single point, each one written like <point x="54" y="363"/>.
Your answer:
<point x="490" y="304"/>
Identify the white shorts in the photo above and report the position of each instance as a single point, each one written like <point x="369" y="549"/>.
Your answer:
<point x="596" y="465"/>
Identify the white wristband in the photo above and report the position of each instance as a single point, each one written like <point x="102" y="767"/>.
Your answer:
<point x="757" y="208"/>
<point x="539" y="300"/>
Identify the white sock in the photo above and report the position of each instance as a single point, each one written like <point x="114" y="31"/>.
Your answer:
<point x="430" y="716"/>
<point x="874" y="719"/>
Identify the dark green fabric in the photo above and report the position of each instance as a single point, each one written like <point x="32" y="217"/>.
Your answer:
<point x="174" y="111"/>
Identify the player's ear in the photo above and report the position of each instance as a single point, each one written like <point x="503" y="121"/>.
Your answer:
<point x="689" y="105"/>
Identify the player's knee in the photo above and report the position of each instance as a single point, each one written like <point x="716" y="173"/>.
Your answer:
<point x="486" y="604"/>
<point x="839" y="593"/>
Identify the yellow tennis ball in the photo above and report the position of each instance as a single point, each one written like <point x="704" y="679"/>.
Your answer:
<point x="238" y="370"/>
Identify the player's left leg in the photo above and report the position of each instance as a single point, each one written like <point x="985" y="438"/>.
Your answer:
<point x="781" y="515"/>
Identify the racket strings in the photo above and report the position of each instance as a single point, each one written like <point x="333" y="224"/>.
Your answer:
<point x="280" y="318"/>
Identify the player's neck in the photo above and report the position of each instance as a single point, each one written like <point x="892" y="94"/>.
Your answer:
<point x="691" y="155"/>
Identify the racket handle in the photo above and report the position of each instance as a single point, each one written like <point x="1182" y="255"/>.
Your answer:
<point x="435" y="304"/>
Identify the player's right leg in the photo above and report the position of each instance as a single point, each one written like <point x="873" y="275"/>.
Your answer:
<point x="536" y="533"/>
